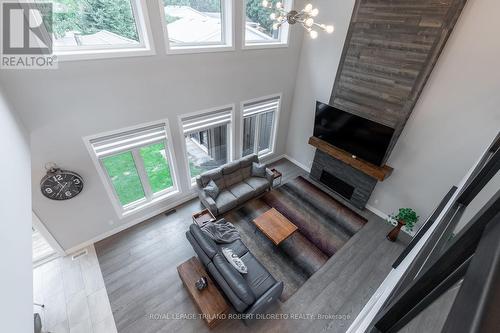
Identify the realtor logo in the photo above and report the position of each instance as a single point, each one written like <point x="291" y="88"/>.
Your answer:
<point x="27" y="36"/>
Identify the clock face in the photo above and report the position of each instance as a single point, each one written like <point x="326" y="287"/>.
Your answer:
<point x="62" y="185"/>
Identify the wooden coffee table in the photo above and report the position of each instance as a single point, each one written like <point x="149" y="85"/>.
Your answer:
<point x="209" y="301"/>
<point x="275" y="226"/>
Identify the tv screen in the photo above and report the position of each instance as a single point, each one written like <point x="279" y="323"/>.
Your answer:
<point x="359" y="136"/>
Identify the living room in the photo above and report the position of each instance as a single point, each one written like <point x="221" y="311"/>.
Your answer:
<point x="295" y="135"/>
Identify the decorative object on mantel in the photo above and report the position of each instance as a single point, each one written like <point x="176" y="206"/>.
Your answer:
<point x="305" y="17"/>
<point x="405" y="217"/>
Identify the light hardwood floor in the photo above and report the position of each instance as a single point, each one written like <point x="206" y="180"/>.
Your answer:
<point x="139" y="270"/>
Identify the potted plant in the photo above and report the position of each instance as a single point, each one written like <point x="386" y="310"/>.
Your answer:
<point x="405" y="217"/>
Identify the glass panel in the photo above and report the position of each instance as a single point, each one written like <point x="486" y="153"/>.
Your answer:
<point x="124" y="177"/>
<point x="259" y="26"/>
<point x="194" y="21"/>
<point x="156" y="166"/>
<point x="249" y="135"/>
<point x="93" y="23"/>
<point x="266" y="130"/>
<point x="211" y="154"/>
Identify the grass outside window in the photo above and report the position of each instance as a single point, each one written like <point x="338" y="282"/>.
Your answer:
<point x="122" y="171"/>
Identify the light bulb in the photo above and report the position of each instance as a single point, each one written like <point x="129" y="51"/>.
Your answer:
<point x="273" y="16"/>
<point x="313" y="34"/>
<point x="309" y="22"/>
<point x="308" y="8"/>
<point x="314" y="12"/>
<point x="330" y="29"/>
<point x="265" y="3"/>
<point x="279" y="5"/>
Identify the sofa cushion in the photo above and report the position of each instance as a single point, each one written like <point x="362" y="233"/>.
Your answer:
<point x="237" y="246"/>
<point x="233" y="178"/>
<point x="215" y="175"/>
<point x="257" y="183"/>
<point x="246" y="171"/>
<point x="212" y="190"/>
<point x="258" y="278"/>
<point x="206" y="243"/>
<point x="246" y="165"/>
<point x="242" y="191"/>
<point x="226" y="201"/>
<point x="234" y="279"/>
<point x="258" y="170"/>
<point x="229" y="168"/>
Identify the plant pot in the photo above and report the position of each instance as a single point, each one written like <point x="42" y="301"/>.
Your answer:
<point x="393" y="234"/>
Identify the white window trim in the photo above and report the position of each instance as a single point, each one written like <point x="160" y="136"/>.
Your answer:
<point x="231" y="146"/>
<point x="139" y="205"/>
<point x="144" y="48"/>
<point x="274" y="133"/>
<point x="227" y="30"/>
<point x="284" y="33"/>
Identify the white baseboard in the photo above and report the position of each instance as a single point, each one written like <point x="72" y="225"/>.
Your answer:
<point x="273" y="159"/>
<point x="138" y="220"/>
<point x="377" y="212"/>
<point x="297" y="163"/>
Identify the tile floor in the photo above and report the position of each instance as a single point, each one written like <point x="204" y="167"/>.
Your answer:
<point x="74" y="295"/>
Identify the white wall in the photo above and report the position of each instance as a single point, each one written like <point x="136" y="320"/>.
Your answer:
<point x="16" y="287"/>
<point x="83" y="98"/>
<point x="455" y="118"/>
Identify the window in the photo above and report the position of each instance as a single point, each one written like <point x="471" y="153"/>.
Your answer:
<point x="259" y="124"/>
<point x="258" y="26"/>
<point x="136" y="164"/>
<point x="207" y="139"/>
<point x="93" y="26"/>
<point x="197" y="24"/>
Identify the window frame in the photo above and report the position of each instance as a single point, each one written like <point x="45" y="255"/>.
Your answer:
<point x="283" y="41"/>
<point x="274" y="133"/>
<point x="150" y="198"/>
<point x="228" y="28"/>
<point x="230" y="138"/>
<point x="144" y="48"/>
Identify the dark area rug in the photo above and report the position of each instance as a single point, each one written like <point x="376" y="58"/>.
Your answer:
<point x="324" y="226"/>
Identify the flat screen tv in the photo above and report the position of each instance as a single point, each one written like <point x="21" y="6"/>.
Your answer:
<point x="366" y="139"/>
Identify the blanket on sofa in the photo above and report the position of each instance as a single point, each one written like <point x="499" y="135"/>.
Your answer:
<point x="221" y="231"/>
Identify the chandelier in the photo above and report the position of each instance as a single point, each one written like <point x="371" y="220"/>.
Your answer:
<point x="305" y="17"/>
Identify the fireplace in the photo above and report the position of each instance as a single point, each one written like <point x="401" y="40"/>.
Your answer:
<point x="349" y="183"/>
<point x="336" y="184"/>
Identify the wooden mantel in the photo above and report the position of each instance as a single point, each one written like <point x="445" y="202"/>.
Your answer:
<point x="378" y="172"/>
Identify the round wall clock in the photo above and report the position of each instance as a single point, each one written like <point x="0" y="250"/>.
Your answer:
<point x="61" y="184"/>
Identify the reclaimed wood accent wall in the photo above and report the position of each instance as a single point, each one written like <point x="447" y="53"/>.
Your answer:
<point x="390" y="50"/>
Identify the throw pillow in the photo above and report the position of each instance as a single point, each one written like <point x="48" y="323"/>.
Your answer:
<point x="258" y="170"/>
<point x="212" y="190"/>
<point x="234" y="260"/>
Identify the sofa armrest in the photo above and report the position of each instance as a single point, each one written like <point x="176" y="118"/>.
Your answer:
<point x="269" y="177"/>
<point x="208" y="202"/>
<point x="264" y="301"/>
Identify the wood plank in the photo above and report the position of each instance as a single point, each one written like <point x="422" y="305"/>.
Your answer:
<point x="398" y="41"/>
<point x="379" y="173"/>
<point x="209" y="301"/>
